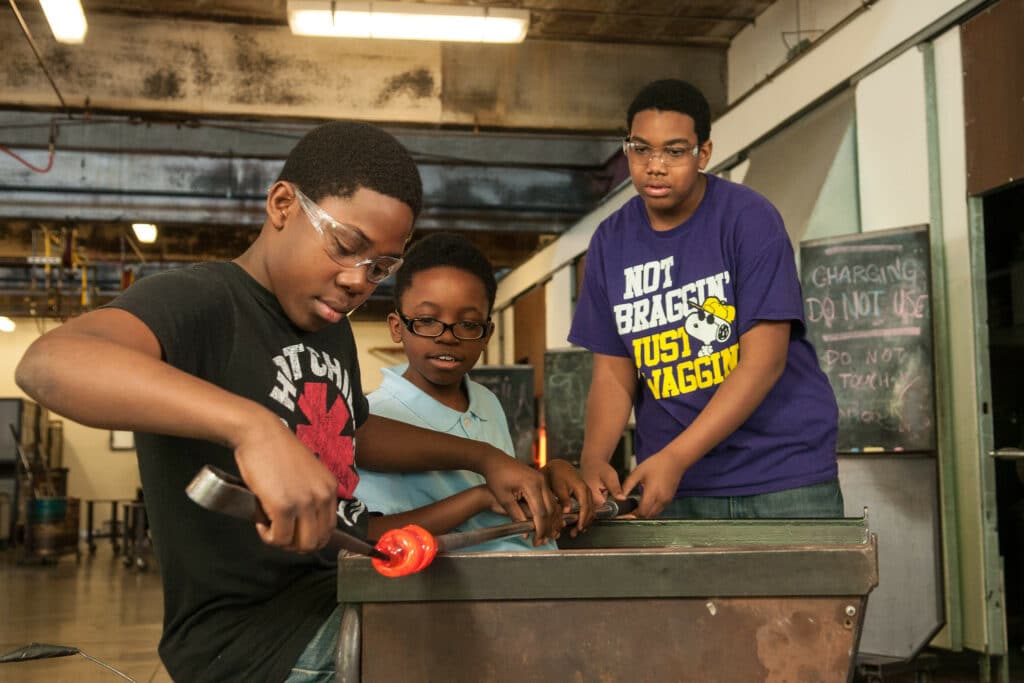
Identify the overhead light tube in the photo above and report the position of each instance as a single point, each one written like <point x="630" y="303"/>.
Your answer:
<point x="66" y="19"/>
<point x="407" y="21"/>
<point x="145" y="232"/>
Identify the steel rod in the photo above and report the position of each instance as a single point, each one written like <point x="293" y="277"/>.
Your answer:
<point x="462" y="539"/>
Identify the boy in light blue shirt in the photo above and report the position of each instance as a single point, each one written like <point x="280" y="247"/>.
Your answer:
<point x="443" y="298"/>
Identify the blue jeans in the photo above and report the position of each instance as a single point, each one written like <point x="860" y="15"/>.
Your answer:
<point x="817" y="500"/>
<point x="316" y="663"/>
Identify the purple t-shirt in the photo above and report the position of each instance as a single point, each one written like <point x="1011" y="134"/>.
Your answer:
<point x="677" y="302"/>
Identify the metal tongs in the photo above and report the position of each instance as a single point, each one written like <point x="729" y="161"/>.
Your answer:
<point x="219" y="491"/>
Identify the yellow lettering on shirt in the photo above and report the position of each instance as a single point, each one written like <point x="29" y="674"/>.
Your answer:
<point x="687" y="375"/>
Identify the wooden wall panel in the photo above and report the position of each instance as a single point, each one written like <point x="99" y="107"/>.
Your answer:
<point x="993" y="55"/>
<point x="581" y="267"/>
<point x="530" y="334"/>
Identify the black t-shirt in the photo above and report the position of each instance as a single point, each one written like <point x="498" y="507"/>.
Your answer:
<point x="235" y="608"/>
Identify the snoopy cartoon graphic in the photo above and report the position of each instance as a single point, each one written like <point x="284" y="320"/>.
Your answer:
<point x="710" y="321"/>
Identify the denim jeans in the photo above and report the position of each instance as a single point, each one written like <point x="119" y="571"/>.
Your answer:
<point x="817" y="500"/>
<point x="316" y="663"/>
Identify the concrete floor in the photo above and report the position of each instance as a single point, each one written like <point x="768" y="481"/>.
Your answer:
<point x="106" y="610"/>
<point x="113" y="613"/>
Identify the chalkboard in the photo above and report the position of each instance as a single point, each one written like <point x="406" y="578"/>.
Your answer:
<point x="868" y="307"/>
<point x="566" y="383"/>
<point x="513" y="385"/>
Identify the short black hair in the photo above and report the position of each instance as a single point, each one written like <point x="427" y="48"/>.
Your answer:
<point x="673" y="94"/>
<point x="440" y="249"/>
<point x="338" y="158"/>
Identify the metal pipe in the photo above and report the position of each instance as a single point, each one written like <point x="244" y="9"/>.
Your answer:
<point x="1007" y="453"/>
<point x="463" y="539"/>
<point x="39" y="57"/>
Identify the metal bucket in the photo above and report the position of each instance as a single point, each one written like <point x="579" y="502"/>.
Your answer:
<point x="47" y="510"/>
<point x="46" y="517"/>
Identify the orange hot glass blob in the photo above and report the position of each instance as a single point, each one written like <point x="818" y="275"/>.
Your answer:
<point x="411" y="549"/>
<point x="403" y="549"/>
<point x="427" y="544"/>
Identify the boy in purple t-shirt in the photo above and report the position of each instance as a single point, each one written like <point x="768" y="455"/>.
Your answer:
<point x="692" y="306"/>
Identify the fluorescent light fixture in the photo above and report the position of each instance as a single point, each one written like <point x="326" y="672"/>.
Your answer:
<point x="407" y="21"/>
<point x="145" y="232"/>
<point x="6" y="324"/>
<point x="66" y="19"/>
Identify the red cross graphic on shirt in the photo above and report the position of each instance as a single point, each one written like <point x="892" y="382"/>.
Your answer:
<point x="323" y="435"/>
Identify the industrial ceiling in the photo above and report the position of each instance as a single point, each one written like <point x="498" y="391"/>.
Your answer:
<point x="181" y="112"/>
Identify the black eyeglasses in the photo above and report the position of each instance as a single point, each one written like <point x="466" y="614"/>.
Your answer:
<point x="466" y="330"/>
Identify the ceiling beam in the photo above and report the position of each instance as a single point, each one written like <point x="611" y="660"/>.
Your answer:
<point x="183" y="134"/>
<point x="104" y="186"/>
<point x="209" y="69"/>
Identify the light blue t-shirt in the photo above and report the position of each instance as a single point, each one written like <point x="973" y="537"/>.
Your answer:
<point x="389" y="492"/>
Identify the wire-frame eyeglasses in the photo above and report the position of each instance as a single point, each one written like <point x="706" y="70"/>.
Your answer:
<point x="671" y="155"/>
<point x="344" y="244"/>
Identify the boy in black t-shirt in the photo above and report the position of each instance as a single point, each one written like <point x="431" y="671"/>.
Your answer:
<point x="251" y="366"/>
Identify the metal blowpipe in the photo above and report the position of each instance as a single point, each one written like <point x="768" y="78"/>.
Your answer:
<point x="463" y="539"/>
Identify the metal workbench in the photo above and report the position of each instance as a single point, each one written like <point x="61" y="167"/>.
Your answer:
<point x="645" y="600"/>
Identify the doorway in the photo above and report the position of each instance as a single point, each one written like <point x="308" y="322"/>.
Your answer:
<point x="1004" y="271"/>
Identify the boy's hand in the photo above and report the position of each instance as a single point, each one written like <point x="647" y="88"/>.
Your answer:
<point x="567" y="484"/>
<point x="602" y="479"/>
<point x="511" y="481"/>
<point x="659" y="475"/>
<point x="486" y="500"/>
<point x="296" y="491"/>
